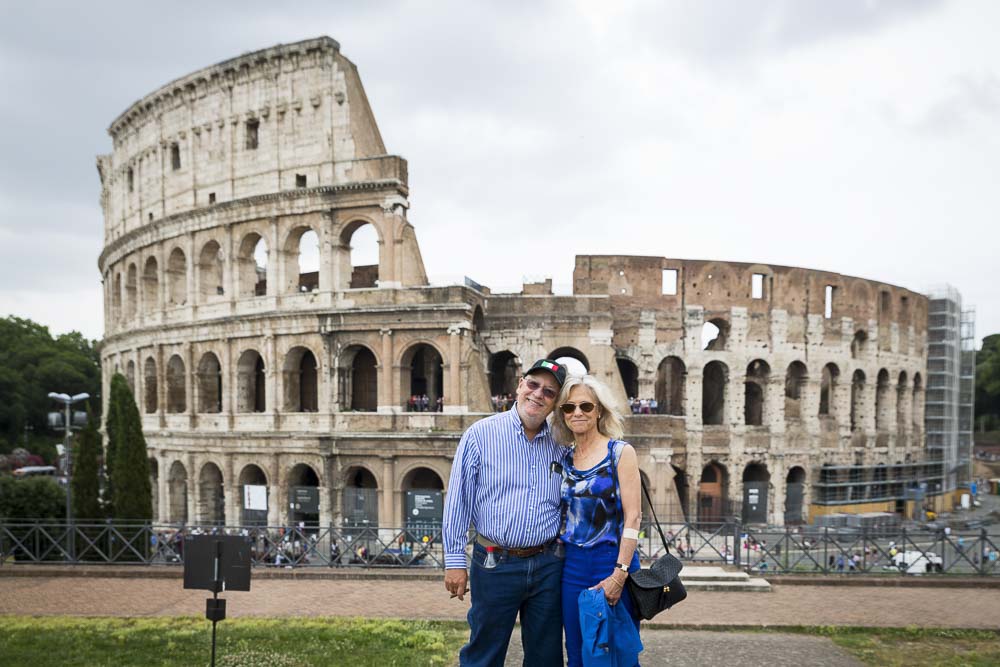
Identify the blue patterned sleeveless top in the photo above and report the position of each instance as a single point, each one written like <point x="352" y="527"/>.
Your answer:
<point x="591" y="507"/>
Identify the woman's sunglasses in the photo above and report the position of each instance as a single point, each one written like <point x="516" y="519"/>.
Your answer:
<point x="569" y="408"/>
<point x="534" y="385"/>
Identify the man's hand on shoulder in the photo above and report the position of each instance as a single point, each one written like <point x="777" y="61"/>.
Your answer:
<point x="455" y="580"/>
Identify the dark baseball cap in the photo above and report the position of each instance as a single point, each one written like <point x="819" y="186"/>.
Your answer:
<point x="558" y="370"/>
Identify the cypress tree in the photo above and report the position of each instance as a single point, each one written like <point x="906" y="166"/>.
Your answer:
<point x="85" y="484"/>
<point x="131" y="490"/>
<point x="112" y="427"/>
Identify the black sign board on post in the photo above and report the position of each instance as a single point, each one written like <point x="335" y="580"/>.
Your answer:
<point x="216" y="563"/>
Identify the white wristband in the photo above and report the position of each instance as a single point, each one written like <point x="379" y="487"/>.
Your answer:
<point x="630" y="534"/>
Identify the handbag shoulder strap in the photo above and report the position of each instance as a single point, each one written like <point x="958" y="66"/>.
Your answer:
<point x="645" y="491"/>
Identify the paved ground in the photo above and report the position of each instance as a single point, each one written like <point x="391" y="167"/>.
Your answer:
<point x="785" y="605"/>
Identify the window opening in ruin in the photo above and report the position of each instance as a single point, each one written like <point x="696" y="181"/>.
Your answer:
<point x="300" y="380"/>
<point x="308" y="261"/>
<point x="902" y="389"/>
<point x="252" y="475"/>
<point x="363" y="381"/>
<point x="420" y="482"/>
<point x="177" y="278"/>
<point x="130" y="376"/>
<point x="250" y="382"/>
<point x="713" y="493"/>
<point x="757" y="286"/>
<point x="150" y="217"/>
<point x="882" y="401"/>
<point x="828" y="384"/>
<point x="131" y="291"/>
<point x="175" y="156"/>
<point x="885" y="302"/>
<point x="630" y="377"/>
<point x="671" y="376"/>
<point x="829" y="293"/>
<point x="713" y="393"/>
<point x="176" y="393"/>
<point x="669" y="282"/>
<point x="154" y="478"/>
<point x="756" y="479"/>
<point x="252" y="131"/>
<point x="857" y="399"/>
<point x="904" y="307"/>
<point x="177" y="493"/>
<point x="209" y="384"/>
<point x="303" y="497"/>
<point x="423" y="375"/>
<point x="211" y="498"/>
<point x="300" y="180"/>
<point x="755" y="388"/>
<point x="252" y="266"/>
<point x="916" y="404"/>
<point x="210" y="268"/>
<point x="116" y="298"/>
<point x="505" y="371"/>
<point x="795" y="382"/>
<point x="795" y="485"/>
<point x="360" y="504"/>
<point x="858" y="344"/>
<point x="364" y="247"/>
<point x="211" y="197"/>
<point x="714" y="334"/>
<point x="150" y="387"/>
<point x="131" y="180"/>
<point x="574" y="360"/>
<point x="150" y="286"/>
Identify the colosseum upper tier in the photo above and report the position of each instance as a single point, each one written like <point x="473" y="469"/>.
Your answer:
<point x="340" y="387"/>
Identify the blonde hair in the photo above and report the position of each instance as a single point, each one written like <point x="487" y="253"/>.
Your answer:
<point x="610" y="422"/>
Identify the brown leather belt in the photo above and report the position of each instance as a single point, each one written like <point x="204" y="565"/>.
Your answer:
<point x="526" y="552"/>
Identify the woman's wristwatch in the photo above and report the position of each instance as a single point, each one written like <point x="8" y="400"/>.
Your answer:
<point x="622" y="566"/>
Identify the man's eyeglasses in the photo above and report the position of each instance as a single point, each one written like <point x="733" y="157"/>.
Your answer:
<point x="535" y="385"/>
<point x="569" y="408"/>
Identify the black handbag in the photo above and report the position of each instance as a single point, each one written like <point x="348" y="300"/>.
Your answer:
<point x="659" y="587"/>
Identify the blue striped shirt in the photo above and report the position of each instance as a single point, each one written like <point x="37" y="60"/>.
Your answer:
<point x="503" y="485"/>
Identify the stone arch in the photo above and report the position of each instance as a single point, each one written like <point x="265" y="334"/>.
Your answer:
<point x="713" y="493"/>
<point x="131" y="291"/>
<point x="176" y="278"/>
<point x="211" y="495"/>
<point x="358" y="377"/>
<point x="421" y="374"/>
<point x="565" y="354"/>
<point x="883" y="403"/>
<point x="859" y="344"/>
<point x="209" y="383"/>
<point x="681" y="486"/>
<point x="154" y="484"/>
<point x="902" y="393"/>
<point x="303" y="495"/>
<point x="251" y="261"/>
<point x="130" y="376"/>
<point x="827" y="390"/>
<point x="421" y="480"/>
<point x="630" y="376"/>
<point x="151" y="386"/>
<point x="756" y="479"/>
<point x="300" y="378"/>
<point x="917" y="402"/>
<point x="251" y="382"/>
<point x="857" y="399"/>
<point x="176" y="391"/>
<point x="715" y="379"/>
<point x="795" y="487"/>
<point x="362" y="242"/>
<point x="210" y="272"/>
<point x="715" y="334"/>
<point x="252" y="475"/>
<point x="177" y="492"/>
<point x="796" y="377"/>
<point x="116" y="297"/>
<point x="755" y="392"/>
<point x="150" y="285"/>
<point x="671" y="378"/>
<point x="302" y="260"/>
<point x="478" y="321"/>
<point x="360" y="502"/>
<point x="505" y="372"/>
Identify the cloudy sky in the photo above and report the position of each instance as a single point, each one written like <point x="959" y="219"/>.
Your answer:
<point x="857" y="136"/>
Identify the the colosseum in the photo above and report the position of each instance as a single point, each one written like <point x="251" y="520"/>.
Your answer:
<point x="774" y="391"/>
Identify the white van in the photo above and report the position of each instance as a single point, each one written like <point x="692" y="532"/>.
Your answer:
<point x="918" y="562"/>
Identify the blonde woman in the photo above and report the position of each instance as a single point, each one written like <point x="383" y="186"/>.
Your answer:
<point x="600" y="518"/>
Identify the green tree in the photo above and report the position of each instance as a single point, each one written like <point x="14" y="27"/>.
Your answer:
<point x="113" y="429"/>
<point x="988" y="383"/>
<point x="131" y="490"/>
<point x="86" y="469"/>
<point x="32" y="498"/>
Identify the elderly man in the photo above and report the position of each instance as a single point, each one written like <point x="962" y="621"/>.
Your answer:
<point x="502" y="482"/>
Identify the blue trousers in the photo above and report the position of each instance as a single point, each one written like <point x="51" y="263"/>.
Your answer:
<point x="525" y="586"/>
<point x="583" y="568"/>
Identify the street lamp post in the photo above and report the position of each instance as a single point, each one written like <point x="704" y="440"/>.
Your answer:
<point x="68" y="402"/>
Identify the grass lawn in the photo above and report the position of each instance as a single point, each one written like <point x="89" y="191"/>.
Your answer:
<point x="293" y="642"/>
<point x="917" y="647"/>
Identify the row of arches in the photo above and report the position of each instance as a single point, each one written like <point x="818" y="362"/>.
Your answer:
<point x="145" y="286"/>
<point x="714" y="504"/>
<point x="421" y="372"/>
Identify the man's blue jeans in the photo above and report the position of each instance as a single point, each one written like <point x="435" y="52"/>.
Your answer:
<point x="529" y="586"/>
